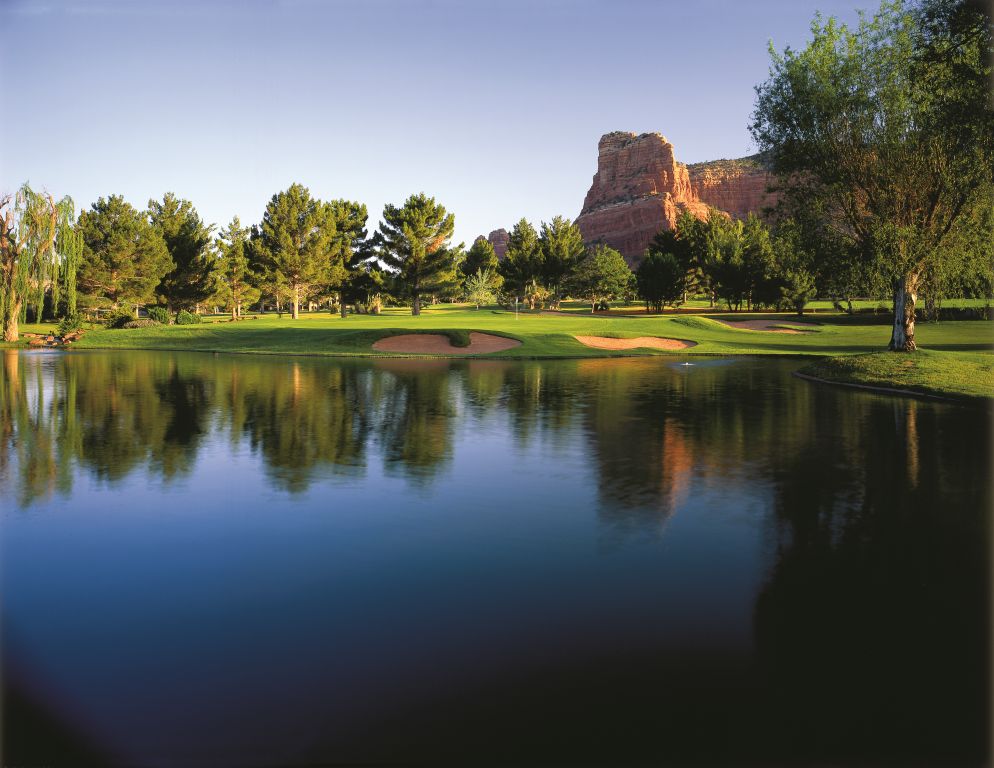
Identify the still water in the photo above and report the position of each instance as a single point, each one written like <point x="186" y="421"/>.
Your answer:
<point x="223" y="560"/>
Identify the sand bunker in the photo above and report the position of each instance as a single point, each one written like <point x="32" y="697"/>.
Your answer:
<point x="437" y="344"/>
<point x="653" y="342"/>
<point x="773" y="326"/>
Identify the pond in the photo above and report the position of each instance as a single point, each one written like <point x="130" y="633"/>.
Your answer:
<point x="221" y="560"/>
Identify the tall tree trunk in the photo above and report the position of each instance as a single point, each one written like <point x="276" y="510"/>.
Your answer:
<point x="902" y="337"/>
<point x="10" y="322"/>
<point x="341" y="304"/>
<point x="416" y="304"/>
<point x="296" y="301"/>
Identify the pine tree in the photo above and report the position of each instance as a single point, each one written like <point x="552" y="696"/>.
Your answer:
<point x="294" y="242"/>
<point x="235" y="284"/>
<point x="193" y="277"/>
<point x="522" y="265"/>
<point x="124" y="258"/>
<point x="413" y="241"/>
<point x="351" y="250"/>
<point x="480" y="256"/>
<point x="562" y="248"/>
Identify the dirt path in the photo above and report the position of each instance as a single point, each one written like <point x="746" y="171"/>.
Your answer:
<point x="438" y="344"/>
<point x="772" y="326"/>
<point x="652" y="342"/>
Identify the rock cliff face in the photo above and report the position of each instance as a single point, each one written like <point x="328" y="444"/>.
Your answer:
<point x="499" y="239"/>
<point x="640" y="188"/>
<point x="737" y="187"/>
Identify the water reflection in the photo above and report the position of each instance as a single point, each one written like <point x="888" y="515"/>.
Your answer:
<point x="648" y="427"/>
<point x="792" y="572"/>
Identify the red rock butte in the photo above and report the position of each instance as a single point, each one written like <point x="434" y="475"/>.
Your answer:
<point x="499" y="239"/>
<point x="640" y="189"/>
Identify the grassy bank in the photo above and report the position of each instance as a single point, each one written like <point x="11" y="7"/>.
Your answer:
<point x="956" y="375"/>
<point x="957" y="352"/>
<point x="542" y="335"/>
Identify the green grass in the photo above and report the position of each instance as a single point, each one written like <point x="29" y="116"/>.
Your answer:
<point x="552" y="336"/>
<point x="541" y="335"/>
<point x="957" y="375"/>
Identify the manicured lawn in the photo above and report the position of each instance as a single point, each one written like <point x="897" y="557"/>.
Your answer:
<point x="960" y="375"/>
<point x="956" y="357"/>
<point x="542" y="335"/>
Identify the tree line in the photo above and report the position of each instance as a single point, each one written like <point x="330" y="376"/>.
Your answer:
<point x="880" y="139"/>
<point x="115" y="259"/>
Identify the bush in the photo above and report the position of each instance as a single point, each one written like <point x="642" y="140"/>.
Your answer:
<point x="187" y="318"/>
<point x="159" y="314"/>
<point x="956" y="313"/>
<point x="141" y="322"/>
<point x="118" y="318"/>
<point x="70" y="324"/>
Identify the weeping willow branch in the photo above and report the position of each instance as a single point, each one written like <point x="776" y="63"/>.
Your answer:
<point x="31" y="223"/>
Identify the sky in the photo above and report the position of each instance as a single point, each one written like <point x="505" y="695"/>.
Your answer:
<point x="493" y="108"/>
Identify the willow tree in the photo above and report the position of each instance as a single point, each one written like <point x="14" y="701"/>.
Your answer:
<point x="414" y="240"/>
<point x="889" y="128"/>
<point x="32" y="226"/>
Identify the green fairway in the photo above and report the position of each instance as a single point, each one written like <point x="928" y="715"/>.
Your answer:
<point x="542" y="335"/>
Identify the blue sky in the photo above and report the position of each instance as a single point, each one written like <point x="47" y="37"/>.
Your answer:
<point x="493" y="108"/>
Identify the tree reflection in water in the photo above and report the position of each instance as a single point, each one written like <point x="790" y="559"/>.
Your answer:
<point x="870" y="627"/>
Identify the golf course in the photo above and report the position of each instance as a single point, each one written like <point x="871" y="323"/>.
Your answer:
<point x="957" y="360"/>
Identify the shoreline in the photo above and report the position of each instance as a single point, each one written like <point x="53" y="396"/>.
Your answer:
<point x="881" y="390"/>
<point x="955" y="363"/>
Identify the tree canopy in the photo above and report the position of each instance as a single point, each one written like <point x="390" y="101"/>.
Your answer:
<point x="603" y="274"/>
<point x="661" y="279"/>
<point x="522" y="264"/>
<point x="294" y="242"/>
<point x="193" y="277"/>
<point x="888" y="128"/>
<point x="235" y="285"/>
<point x="124" y="257"/>
<point x="414" y="241"/>
<point x="561" y="246"/>
<point x="350" y="250"/>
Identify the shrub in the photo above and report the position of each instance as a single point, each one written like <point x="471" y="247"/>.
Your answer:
<point x="118" y="318"/>
<point x="374" y="306"/>
<point x="957" y="313"/>
<point x="187" y="318"/>
<point x="70" y="324"/>
<point x="141" y="322"/>
<point x="159" y="314"/>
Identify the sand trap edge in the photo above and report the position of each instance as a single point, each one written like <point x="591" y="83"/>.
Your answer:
<point x="440" y="344"/>
<point x="642" y="342"/>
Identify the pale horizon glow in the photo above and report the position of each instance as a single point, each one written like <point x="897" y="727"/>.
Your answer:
<point x="494" y="109"/>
